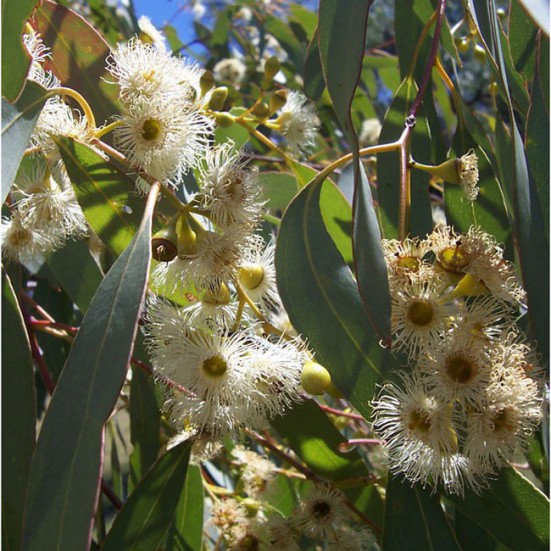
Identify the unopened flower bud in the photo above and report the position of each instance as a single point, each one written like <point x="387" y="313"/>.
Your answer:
<point x="218" y="98"/>
<point x="480" y="53"/>
<point x="271" y="68"/>
<point x="278" y="100"/>
<point x="224" y="120"/>
<point x="206" y="82"/>
<point x="315" y="379"/>
<point x="186" y="237"/>
<point x="260" y="110"/>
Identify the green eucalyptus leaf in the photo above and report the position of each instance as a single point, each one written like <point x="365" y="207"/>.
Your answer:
<point x="145" y="420"/>
<point x="15" y="59"/>
<point x="77" y="272"/>
<point x="67" y="461"/>
<point x="538" y="11"/>
<point x="144" y="519"/>
<point x="513" y="511"/>
<point x="522" y="41"/>
<point x="78" y="56"/>
<point x="537" y="147"/>
<point x="105" y="194"/>
<point x="18" y="121"/>
<point x="186" y="531"/>
<point x="285" y="36"/>
<point x="278" y="188"/>
<point x="313" y="74"/>
<point x="369" y="261"/>
<point x="18" y="416"/>
<point x="414" y="519"/>
<point x="322" y="300"/>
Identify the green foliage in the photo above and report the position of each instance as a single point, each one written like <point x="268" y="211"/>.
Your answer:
<point x="74" y="311"/>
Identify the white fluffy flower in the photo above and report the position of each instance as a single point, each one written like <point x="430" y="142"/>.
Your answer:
<point x="299" y="122"/>
<point x="22" y="244"/>
<point x="229" y="192"/>
<point x="232" y="380"/>
<point x="163" y="138"/>
<point x="230" y="70"/>
<point x="145" y="72"/>
<point x="419" y="436"/>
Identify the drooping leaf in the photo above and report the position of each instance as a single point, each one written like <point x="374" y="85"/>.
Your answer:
<point x="77" y="272"/>
<point x="67" y="461"/>
<point x="18" y="121"/>
<point x="538" y="11"/>
<point x="313" y="75"/>
<point x="513" y="511"/>
<point x="146" y="516"/>
<point x="313" y="437"/>
<point x="186" y="531"/>
<point x="18" y="416"/>
<point x="415" y="520"/>
<point x="522" y="41"/>
<point x="144" y="426"/>
<point x="369" y="261"/>
<point x="322" y="300"/>
<point x="78" y="56"/>
<point x="15" y="59"/>
<point x="537" y="147"/>
<point x="105" y="194"/>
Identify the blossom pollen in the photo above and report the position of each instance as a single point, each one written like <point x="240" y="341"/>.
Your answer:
<point x="151" y="129"/>
<point x="215" y="366"/>
<point x="420" y="313"/>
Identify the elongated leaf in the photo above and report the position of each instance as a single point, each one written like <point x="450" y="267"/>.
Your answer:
<point x="322" y="299"/>
<point x="67" y="461"/>
<point x="78" y="56"/>
<point x="528" y="225"/>
<point x="285" y="36"/>
<point x="538" y="10"/>
<point x="15" y="59"/>
<point x="513" y="511"/>
<point x="369" y="261"/>
<point x="313" y="437"/>
<point x="18" y="416"/>
<point x="472" y="536"/>
<point x="313" y="75"/>
<point x="522" y="41"/>
<point x="537" y="147"/>
<point x="146" y="516"/>
<point x="414" y="519"/>
<point x="105" y="194"/>
<point x="186" y="530"/>
<point x="77" y="272"/>
<point x="144" y="426"/>
<point x="18" y="121"/>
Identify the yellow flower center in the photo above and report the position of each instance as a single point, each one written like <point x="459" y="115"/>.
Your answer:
<point x="418" y="422"/>
<point x="453" y="259"/>
<point x="410" y="263"/>
<point x="215" y="366"/>
<point x="420" y="313"/>
<point x="151" y="129"/>
<point x="504" y="421"/>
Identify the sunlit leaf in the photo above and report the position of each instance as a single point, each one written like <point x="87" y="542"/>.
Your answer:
<point x="18" y="121"/>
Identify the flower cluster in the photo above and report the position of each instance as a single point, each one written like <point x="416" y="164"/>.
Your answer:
<point x="320" y="515"/>
<point x="44" y="209"/>
<point x="473" y="395"/>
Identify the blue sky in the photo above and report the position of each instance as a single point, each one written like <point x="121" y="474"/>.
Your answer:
<point x="161" y="11"/>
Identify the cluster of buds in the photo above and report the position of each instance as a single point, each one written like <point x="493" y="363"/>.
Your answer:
<point x="473" y="395"/>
